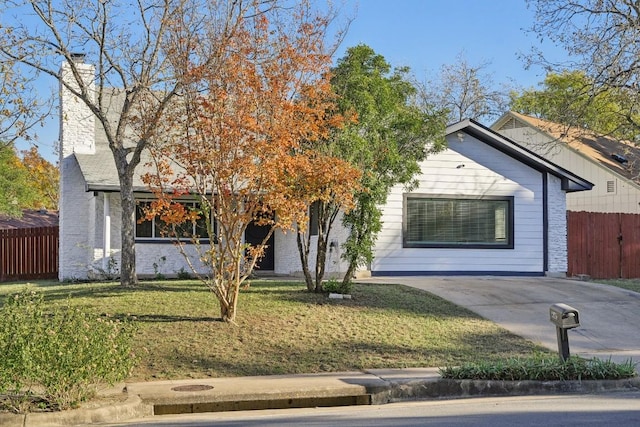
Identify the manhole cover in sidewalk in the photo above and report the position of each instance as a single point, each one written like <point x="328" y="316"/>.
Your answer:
<point x="195" y="387"/>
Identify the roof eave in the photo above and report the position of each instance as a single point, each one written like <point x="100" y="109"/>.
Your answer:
<point x="570" y="181"/>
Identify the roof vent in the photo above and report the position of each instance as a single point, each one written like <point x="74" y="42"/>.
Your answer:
<point x="620" y="159"/>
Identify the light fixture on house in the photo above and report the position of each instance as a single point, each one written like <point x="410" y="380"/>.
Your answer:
<point x="460" y="166"/>
<point x="460" y="136"/>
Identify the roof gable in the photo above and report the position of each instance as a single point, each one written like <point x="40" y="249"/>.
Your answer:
<point x="619" y="157"/>
<point x="570" y="181"/>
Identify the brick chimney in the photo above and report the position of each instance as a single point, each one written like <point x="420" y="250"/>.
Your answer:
<point x="77" y="122"/>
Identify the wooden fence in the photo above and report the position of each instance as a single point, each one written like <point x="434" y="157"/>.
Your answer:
<point x="29" y="253"/>
<point x="603" y="245"/>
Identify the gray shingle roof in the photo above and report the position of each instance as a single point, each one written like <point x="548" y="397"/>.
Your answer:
<point x="100" y="173"/>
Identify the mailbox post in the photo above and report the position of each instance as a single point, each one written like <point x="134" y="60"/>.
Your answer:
<point x="565" y="318"/>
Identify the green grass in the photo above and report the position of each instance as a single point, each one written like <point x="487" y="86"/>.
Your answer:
<point x="541" y="368"/>
<point x="283" y="329"/>
<point x="631" y="284"/>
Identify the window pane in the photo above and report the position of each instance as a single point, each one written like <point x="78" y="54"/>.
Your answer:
<point x="158" y="229"/>
<point x="313" y="218"/>
<point x="438" y="221"/>
<point x="144" y="228"/>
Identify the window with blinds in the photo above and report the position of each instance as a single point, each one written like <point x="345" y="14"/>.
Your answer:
<point x="455" y="222"/>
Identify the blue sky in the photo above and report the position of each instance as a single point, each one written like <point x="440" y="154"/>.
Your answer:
<point x="426" y="34"/>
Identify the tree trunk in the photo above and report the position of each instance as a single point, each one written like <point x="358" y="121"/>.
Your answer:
<point x="350" y="270"/>
<point x="303" y="251"/>
<point x="128" y="277"/>
<point x="229" y="304"/>
<point x="227" y="313"/>
<point x="321" y="259"/>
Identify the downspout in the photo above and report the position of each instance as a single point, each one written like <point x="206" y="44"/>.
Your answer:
<point x="106" y="233"/>
<point x="545" y="223"/>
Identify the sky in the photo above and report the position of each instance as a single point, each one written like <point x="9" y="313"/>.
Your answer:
<point x="424" y="35"/>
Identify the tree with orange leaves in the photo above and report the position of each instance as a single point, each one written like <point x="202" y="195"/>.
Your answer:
<point x="44" y="176"/>
<point x="234" y="142"/>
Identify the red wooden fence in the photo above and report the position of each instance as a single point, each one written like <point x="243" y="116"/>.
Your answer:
<point x="603" y="245"/>
<point x="29" y="253"/>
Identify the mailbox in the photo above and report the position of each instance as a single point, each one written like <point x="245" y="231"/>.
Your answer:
<point x="564" y="316"/>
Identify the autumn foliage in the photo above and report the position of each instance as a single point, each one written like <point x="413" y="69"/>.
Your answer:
<point x="241" y="142"/>
<point x="27" y="183"/>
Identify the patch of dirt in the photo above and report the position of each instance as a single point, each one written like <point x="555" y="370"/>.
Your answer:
<point x="29" y="404"/>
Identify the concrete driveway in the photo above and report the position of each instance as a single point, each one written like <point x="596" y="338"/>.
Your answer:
<point x="609" y="316"/>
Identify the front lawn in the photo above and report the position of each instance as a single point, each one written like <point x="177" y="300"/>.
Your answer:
<point x="631" y="284"/>
<point x="283" y="329"/>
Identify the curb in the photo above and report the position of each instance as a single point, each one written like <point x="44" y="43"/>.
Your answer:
<point x="131" y="408"/>
<point x="390" y="392"/>
<point x="447" y="388"/>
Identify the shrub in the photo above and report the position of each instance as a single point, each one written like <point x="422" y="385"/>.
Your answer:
<point x="542" y="368"/>
<point x="335" y="286"/>
<point x="57" y="356"/>
<point x="183" y="274"/>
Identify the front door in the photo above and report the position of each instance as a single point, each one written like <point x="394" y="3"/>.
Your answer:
<point x="254" y="235"/>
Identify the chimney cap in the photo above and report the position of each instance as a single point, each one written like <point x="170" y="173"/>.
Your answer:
<point x="77" y="57"/>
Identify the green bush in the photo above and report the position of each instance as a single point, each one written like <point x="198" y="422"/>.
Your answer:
<point x="57" y="356"/>
<point x="337" y="287"/>
<point x="542" y="368"/>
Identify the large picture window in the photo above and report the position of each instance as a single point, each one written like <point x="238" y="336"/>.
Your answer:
<point x="451" y="222"/>
<point x="156" y="229"/>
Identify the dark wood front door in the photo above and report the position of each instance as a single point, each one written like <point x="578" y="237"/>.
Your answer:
<point x="254" y="235"/>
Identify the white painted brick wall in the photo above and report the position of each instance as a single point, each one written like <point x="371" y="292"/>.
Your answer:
<point x="288" y="258"/>
<point x="75" y="248"/>
<point x="76" y="208"/>
<point x="557" y="228"/>
<point x="77" y="122"/>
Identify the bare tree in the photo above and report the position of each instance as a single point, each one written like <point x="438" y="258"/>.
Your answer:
<point x="465" y="91"/>
<point x="21" y="110"/>
<point x="126" y="42"/>
<point x="600" y="38"/>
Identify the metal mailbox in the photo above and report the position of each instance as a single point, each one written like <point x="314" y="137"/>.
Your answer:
<point x="564" y="316"/>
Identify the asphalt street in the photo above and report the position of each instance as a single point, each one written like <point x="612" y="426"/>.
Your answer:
<point x="620" y="409"/>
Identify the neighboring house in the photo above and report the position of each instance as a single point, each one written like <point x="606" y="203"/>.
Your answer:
<point x="30" y="219"/>
<point x="612" y="165"/>
<point x="485" y="205"/>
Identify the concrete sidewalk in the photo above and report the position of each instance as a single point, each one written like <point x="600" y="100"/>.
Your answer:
<point x="372" y="387"/>
<point x="609" y="316"/>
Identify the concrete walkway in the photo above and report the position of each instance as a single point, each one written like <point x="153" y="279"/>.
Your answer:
<point x="609" y="316"/>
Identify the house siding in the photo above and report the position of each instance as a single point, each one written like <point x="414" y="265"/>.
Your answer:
<point x="486" y="172"/>
<point x="624" y="199"/>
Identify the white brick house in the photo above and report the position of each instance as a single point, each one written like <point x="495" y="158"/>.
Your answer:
<point x="90" y="220"/>
<point x="485" y="205"/>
